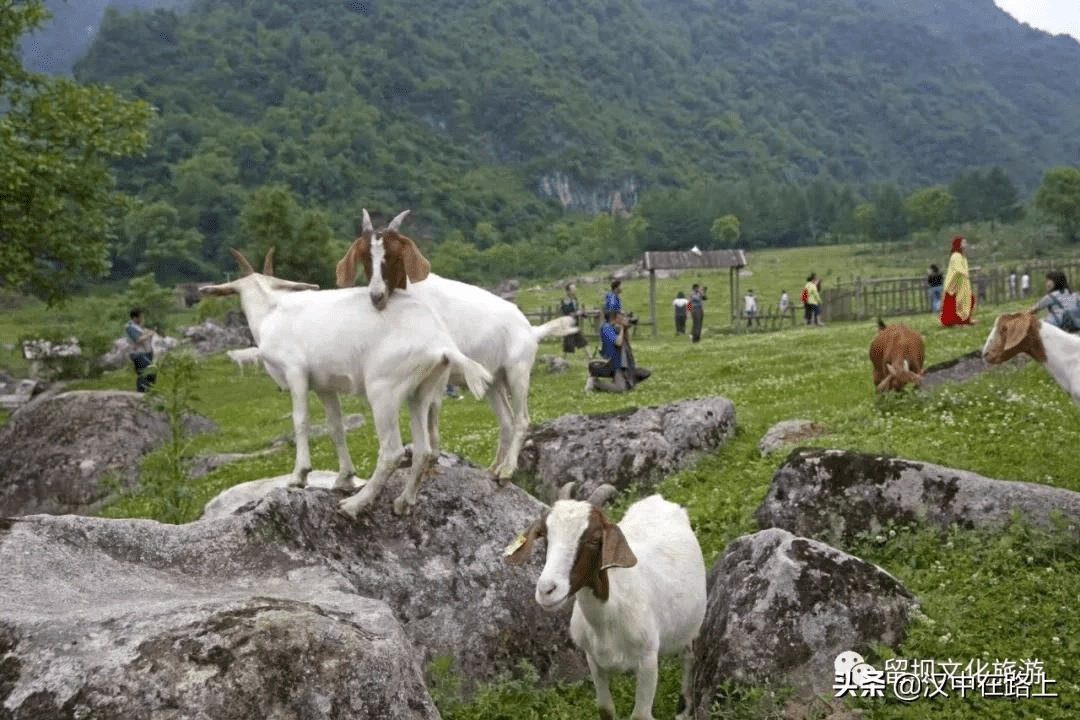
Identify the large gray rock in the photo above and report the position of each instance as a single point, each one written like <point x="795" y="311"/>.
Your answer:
<point x="56" y="451"/>
<point x="834" y="495"/>
<point x="283" y="608"/>
<point x="781" y="608"/>
<point x="212" y="337"/>
<point x="637" y="446"/>
<point x="118" y="355"/>
<point x="441" y="568"/>
<point x="211" y="621"/>
<point x="788" y="433"/>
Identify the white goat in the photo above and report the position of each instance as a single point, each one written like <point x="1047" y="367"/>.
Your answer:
<point x="488" y="329"/>
<point x="244" y="356"/>
<point x="639" y="588"/>
<point x="1056" y="349"/>
<point x="333" y="341"/>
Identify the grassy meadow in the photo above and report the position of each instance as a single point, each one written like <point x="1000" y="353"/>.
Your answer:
<point x="1009" y="595"/>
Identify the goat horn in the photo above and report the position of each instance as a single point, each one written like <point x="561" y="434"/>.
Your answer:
<point x="365" y="226"/>
<point x="268" y="263"/>
<point x="244" y="264"/>
<point x="395" y="224"/>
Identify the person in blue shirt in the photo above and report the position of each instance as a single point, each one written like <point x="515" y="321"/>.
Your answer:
<point x="1059" y="302"/>
<point x="612" y="301"/>
<point x="618" y="363"/>
<point x="142" y="354"/>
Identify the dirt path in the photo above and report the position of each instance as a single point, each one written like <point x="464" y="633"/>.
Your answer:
<point x="958" y="369"/>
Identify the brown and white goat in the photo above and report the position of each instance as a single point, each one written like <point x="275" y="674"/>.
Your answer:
<point x="898" y="354"/>
<point x="1023" y="332"/>
<point x="638" y="589"/>
<point x="488" y="329"/>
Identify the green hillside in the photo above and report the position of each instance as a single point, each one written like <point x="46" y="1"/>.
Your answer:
<point x="492" y="119"/>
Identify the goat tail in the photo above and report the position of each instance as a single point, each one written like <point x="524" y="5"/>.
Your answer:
<point x="559" y="327"/>
<point x="477" y="377"/>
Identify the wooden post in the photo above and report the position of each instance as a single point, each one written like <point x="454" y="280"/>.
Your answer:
<point x="652" y="300"/>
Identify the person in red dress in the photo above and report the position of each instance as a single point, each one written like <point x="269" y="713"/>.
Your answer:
<point x="958" y="302"/>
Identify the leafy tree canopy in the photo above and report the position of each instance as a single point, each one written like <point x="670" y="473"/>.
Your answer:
<point x="58" y="204"/>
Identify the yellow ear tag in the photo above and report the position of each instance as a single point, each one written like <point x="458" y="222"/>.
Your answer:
<point x="514" y="546"/>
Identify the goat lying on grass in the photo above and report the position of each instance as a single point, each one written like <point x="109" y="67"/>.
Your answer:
<point x="334" y="341"/>
<point x="488" y="329"/>
<point x="1023" y="332"/>
<point x="898" y="354"/>
<point x="244" y="356"/>
<point x="638" y="589"/>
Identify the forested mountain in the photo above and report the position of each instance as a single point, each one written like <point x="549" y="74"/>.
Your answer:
<point x="488" y="118"/>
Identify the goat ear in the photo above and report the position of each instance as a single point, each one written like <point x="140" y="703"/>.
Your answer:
<point x="417" y="266"/>
<point x="346" y="267"/>
<point x="518" y="551"/>
<point x="616" y="551"/>
<point x="1016" y="329"/>
<point x="244" y="264"/>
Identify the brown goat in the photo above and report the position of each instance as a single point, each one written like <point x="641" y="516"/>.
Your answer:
<point x="897" y="353"/>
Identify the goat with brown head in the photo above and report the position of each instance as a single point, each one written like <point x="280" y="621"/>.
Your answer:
<point x="638" y="589"/>
<point x="390" y="260"/>
<point x="1012" y="334"/>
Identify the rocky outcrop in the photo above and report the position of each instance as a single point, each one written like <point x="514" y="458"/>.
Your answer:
<point x="118" y="355"/>
<point x="834" y="495"/>
<point x="212" y="337"/>
<point x="283" y="608"/>
<point x="125" y="619"/>
<point x="618" y="200"/>
<point x="57" y="451"/>
<point x="637" y="446"/>
<point x="781" y="608"/>
<point x="787" y="433"/>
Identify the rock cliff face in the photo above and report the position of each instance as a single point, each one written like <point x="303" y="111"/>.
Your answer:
<point x="618" y="200"/>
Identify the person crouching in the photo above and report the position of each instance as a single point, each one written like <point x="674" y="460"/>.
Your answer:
<point x="618" y="358"/>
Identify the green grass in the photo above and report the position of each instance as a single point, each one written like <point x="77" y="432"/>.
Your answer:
<point x="1008" y="595"/>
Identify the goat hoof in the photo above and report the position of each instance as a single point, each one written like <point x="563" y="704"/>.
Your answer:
<point x="348" y="484"/>
<point x="351" y="509"/>
<point x="402" y="506"/>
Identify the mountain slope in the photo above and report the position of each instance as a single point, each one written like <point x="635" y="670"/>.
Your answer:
<point x="502" y="111"/>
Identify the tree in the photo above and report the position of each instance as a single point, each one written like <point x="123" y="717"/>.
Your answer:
<point x="271" y="217"/>
<point x="725" y="230"/>
<point x="1059" y="198"/>
<point x="58" y="204"/>
<point x="151" y="240"/>
<point x="930" y="206"/>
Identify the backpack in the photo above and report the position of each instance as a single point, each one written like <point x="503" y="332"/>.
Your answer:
<point x="805" y="295"/>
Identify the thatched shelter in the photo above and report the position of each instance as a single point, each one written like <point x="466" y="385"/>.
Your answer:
<point x="733" y="260"/>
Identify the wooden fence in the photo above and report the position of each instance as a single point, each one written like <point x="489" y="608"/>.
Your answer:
<point x="867" y="299"/>
<point x="864" y="299"/>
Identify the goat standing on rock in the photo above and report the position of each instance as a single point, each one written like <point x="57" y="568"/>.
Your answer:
<point x="638" y="589"/>
<point x="488" y="329"/>
<point x="898" y="354"/>
<point x="331" y="342"/>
